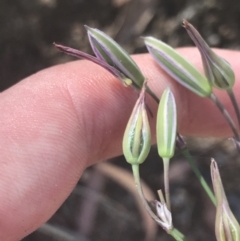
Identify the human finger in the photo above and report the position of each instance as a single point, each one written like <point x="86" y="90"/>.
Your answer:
<point x="62" y="119"/>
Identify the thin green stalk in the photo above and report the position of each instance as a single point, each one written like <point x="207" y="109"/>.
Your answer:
<point x="150" y="92"/>
<point x="166" y="182"/>
<point x="201" y="179"/>
<point x="135" y="169"/>
<point x="177" y="235"/>
<point x="174" y="232"/>
<point x="235" y="104"/>
<point x="226" y="116"/>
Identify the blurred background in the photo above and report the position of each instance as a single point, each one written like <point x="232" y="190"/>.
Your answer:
<point x="104" y="205"/>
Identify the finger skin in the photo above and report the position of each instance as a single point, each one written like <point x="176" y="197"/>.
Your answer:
<point x="62" y="119"/>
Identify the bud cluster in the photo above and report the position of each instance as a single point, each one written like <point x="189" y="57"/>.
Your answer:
<point x="137" y="136"/>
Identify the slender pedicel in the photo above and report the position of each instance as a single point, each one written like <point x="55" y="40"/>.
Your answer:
<point x="164" y="216"/>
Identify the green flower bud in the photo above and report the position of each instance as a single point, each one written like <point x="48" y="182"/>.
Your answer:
<point x="137" y="136"/>
<point x="105" y="48"/>
<point x="166" y="125"/>
<point x="226" y="226"/>
<point x="178" y="67"/>
<point x="218" y="70"/>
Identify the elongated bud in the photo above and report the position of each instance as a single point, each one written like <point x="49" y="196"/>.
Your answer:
<point x="137" y="136"/>
<point x="107" y="49"/>
<point x="166" y="125"/>
<point x="178" y="67"/>
<point x="164" y="215"/>
<point x="218" y="70"/>
<point x="79" y="54"/>
<point x="226" y="225"/>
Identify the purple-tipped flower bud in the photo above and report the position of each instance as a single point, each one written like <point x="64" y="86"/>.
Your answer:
<point x="79" y="54"/>
<point x="226" y="225"/>
<point x="178" y="67"/>
<point x="165" y="216"/>
<point x="217" y="70"/>
<point x="137" y="136"/>
<point x="105" y="48"/>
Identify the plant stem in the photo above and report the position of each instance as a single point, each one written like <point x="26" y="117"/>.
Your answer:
<point x="166" y="182"/>
<point x="235" y="104"/>
<point x="150" y="92"/>
<point x="226" y="115"/>
<point x="201" y="179"/>
<point x="174" y="232"/>
<point x="177" y="235"/>
<point x="135" y="169"/>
